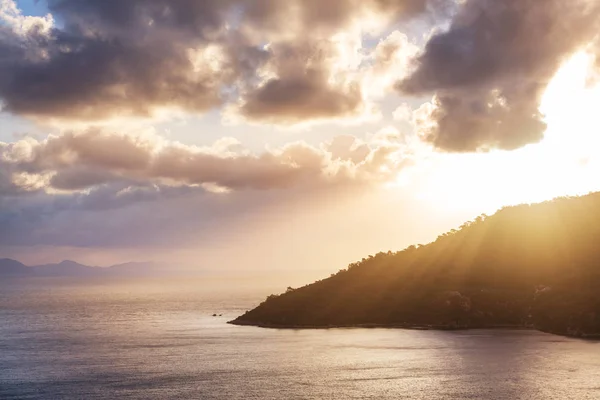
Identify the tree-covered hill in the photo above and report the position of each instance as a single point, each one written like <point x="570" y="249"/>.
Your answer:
<point x="528" y="266"/>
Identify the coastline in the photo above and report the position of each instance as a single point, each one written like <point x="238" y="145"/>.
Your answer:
<point x="418" y="327"/>
<point x="594" y="337"/>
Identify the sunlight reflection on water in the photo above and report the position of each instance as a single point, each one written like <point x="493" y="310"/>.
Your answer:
<point x="107" y="340"/>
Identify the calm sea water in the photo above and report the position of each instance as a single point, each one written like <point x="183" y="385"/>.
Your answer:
<point x="158" y="340"/>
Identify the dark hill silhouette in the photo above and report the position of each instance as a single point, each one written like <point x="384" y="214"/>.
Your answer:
<point x="535" y="266"/>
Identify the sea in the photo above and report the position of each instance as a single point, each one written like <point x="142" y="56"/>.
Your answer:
<point x="158" y="339"/>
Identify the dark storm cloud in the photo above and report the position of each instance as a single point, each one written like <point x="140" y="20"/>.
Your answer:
<point x="99" y="79"/>
<point x="484" y="120"/>
<point x="300" y="88"/>
<point x="305" y="80"/>
<point x="130" y="18"/>
<point x="112" y="57"/>
<point x="300" y="98"/>
<point x="491" y="66"/>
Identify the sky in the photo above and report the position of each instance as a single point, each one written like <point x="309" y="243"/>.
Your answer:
<point x="296" y="135"/>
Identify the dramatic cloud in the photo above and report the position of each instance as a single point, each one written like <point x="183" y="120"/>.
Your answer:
<point x="317" y="68"/>
<point x="111" y="58"/>
<point x="292" y="62"/>
<point x="118" y="58"/>
<point x="79" y="161"/>
<point x="98" y="188"/>
<point x="461" y="75"/>
<point x="490" y="67"/>
<point x="302" y="82"/>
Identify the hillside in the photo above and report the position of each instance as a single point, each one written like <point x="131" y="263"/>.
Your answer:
<point x="535" y="266"/>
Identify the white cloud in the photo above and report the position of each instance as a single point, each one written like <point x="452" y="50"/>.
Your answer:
<point x="78" y="161"/>
<point x="24" y="25"/>
<point x="403" y="113"/>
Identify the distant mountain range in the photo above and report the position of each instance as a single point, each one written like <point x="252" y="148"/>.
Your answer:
<point x="67" y="268"/>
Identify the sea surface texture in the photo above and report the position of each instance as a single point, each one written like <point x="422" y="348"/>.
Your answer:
<point x="158" y="340"/>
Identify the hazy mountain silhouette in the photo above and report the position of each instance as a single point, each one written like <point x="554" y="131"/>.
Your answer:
<point x="10" y="267"/>
<point x="137" y="268"/>
<point x="68" y="268"/>
<point x="527" y="266"/>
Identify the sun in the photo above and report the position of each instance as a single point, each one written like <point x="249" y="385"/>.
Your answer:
<point x="570" y="105"/>
<point x="565" y="162"/>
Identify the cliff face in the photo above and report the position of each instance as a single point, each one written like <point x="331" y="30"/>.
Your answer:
<point x="528" y="266"/>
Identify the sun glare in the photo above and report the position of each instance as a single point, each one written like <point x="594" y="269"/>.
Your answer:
<point x="565" y="162"/>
